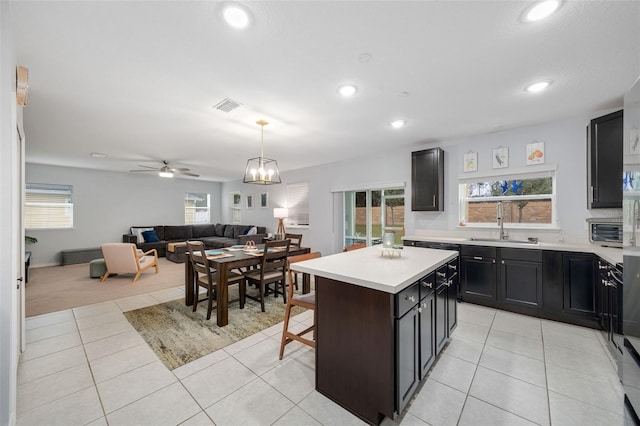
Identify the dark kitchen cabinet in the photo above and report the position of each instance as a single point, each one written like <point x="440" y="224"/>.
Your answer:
<point x="427" y="180"/>
<point x="610" y="288"/>
<point x="478" y="274"/>
<point x="520" y="279"/>
<point x="581" y="294"/>
<point x="446" y="283"/>
<point x="407" y="356"/>
<point x="604" y="140"/>
<point x="452" y="297"/>
<point x="426" y="315"/>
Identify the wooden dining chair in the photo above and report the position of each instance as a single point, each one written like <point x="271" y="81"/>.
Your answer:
<point x="307" y="301"/>
<point x="355" y="246"/>
<point x="272" y="270"/>
<point x="205" y="276"/>
<point x="296" y="239"/>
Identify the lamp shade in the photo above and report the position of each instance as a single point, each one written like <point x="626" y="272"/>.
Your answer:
<point x="280" y="213"/>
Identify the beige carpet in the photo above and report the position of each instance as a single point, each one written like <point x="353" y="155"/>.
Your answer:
<point x="55" y="288"/>
<point x="178" y="335"/>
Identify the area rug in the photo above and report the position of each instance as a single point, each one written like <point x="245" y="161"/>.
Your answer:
<point x="178" y="335"/>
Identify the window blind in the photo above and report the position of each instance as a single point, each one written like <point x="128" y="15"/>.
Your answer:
<point x="298" y="204"/>
<point x="48" y="206"/>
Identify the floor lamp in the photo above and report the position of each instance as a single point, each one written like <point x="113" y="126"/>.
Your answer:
<point x="280" y="214"/>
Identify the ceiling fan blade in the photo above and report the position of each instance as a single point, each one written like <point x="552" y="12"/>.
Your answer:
<point x="187" y="174"/>
<point x="148" y="167"/>
<point x="183" y="169"/>
<point x="150" y="170"/>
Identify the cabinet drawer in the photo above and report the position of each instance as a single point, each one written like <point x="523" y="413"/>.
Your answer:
<point x="407" y="299"/>
<point x="478" y="251"/>
<point x="527" y="255"/>
<point x="427" y="284"/>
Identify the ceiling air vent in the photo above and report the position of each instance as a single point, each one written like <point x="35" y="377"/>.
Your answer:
<point x="226" y="105"/>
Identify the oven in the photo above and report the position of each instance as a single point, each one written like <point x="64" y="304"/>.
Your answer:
<point x="605" y="231"/>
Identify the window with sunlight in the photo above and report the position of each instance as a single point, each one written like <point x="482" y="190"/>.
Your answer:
<point x="196" y="208"/>
<point x="48" y="206"/>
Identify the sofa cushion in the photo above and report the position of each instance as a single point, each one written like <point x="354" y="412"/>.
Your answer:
<point x="207" y="230"/>
<point x="178" y="233"/>
<point x="237" y="230"/>
<point x="262" y="229"/>
<point x="217" y="242"/>
<point x="219" y="230"/>
<point x="137" y="231"/>
<point x="228" y="231"/>
<point x="150" y="236"/>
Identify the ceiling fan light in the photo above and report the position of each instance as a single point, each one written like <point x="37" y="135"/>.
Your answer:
<point x="396" y="124"/>
<point x="347" y="90"/>
<point x="165" y="174"/>
<point x="538" y="86"/>
<point x="541" y="10"/>
<point x="236" y="16"/>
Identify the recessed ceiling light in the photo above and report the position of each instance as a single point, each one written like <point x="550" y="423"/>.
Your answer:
<point x="236" y="16"/>
<point x="396" y="124"/>
<point x="538" y="86"/>
<point x="347" y="90"/>
<point x="541" y="10"/>
<point x="98" y="155"/>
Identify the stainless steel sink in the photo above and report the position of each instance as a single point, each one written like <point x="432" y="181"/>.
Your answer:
<point x="529" y="241"/>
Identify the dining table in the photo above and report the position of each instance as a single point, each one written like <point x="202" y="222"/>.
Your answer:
<point x="231" y="258"/>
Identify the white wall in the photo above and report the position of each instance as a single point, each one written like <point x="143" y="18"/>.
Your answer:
<point x="565" y="146"/>
<point x="10" y="169"/>
<point x="107" y="204"/>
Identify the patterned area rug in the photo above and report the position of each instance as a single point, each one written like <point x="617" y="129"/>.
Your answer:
<point x="178" y="335"/>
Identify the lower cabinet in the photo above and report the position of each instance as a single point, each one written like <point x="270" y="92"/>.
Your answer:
<point x="407" y="356"/>
<point x="478" y="274"/>
<point x="580" y="286"/>
<point x="520" y="279"/>
<point x="427" y="315"/>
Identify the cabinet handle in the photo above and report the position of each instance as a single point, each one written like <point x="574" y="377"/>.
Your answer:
<point x="454" y="267"/>
<point x="410" y="298"/>
<point x="427" y="284"/>
<point x="591" y="194"/>
<point x="601" y="266"/>
<point x="441" y="274"/>
<point x="493" y="261"/>
<point x="502" y="261"/>
<point x="434" y="200"/>
<point x="424" y="305"/>
<point x="477" y="258"/>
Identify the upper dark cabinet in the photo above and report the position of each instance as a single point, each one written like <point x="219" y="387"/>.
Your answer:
<point x="605" y="161"/>
<point x="427" y="180"/>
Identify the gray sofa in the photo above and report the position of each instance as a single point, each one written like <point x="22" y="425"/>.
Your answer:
<point x="213" y="236"/>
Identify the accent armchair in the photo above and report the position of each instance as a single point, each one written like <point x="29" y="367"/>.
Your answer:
<point x="125" y="258"/>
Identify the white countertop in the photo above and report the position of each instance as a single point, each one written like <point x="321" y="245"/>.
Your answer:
<point x="610" y="254"/>
<point x="367" y="268"/>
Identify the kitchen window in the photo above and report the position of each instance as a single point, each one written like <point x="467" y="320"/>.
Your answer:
<point x="298" y="205"/>
<point x="48" y="206"/>
<point x="528" y="200"/>
<point x="197" y="208"/>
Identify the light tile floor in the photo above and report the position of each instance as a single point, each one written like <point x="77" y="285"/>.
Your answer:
<point x="88" y="366"/>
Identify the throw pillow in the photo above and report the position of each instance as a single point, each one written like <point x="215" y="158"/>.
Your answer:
<point x="219" y="230"/>
<point x="228" y="231"/>
<point x="138" y="233"/>
<point x="246" y="230"/>
<point x="150" y="236"/>
<point x="253" y="231"/>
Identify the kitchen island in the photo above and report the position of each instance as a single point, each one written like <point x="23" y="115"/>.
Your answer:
<point x="381" y="322"/>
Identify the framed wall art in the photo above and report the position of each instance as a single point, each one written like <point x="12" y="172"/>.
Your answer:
<point x="264" y="200"/>
<point x="470" y="162"/>
<point x="249" y="199"/>
<point x="535" y="153"/>
<point x="500" y="157"/>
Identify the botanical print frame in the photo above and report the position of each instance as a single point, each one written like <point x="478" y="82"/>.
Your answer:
<point x="249" y="200"/>
<point x="470" y="162"/>
<point x="634" y="141"/>
<point x="535" y="153"/>
<point x="264" y="200"/>
<point x="500" y="157"/>
<point x="236" y="199"/>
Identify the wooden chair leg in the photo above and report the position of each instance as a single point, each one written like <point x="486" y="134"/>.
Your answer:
<point x="242" y="289"/>
<point x="105" y="276"/>
<point x="210" y="304"/>
<point x="262" y="296"/>
<point x="283" y="342"/>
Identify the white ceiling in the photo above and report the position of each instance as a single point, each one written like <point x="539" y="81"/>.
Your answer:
<point x="138" y="80"/>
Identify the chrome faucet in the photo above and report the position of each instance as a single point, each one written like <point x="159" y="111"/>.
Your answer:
<point x="500" y="218"/>
<point x="634" y="222"/>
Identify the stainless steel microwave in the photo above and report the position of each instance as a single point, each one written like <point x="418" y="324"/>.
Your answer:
<point x="605" y="231"/>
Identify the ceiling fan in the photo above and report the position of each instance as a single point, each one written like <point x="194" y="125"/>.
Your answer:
<point x="166" y="171"/>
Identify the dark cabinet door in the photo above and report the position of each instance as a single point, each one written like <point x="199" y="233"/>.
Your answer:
<point x="407" y="356"/>
<point x="441" y="308"/>
<point x="452" y="297"/>
<point x="521" y="283"/>
<point x="581" y="293"/>
<point x="605" y="158"/>
<point x="478" y="279"/>
<point x="427" y="180"/>
<point x="427" y="333"/>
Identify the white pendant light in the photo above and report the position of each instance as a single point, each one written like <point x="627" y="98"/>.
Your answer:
<point x="262" y="170"/>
